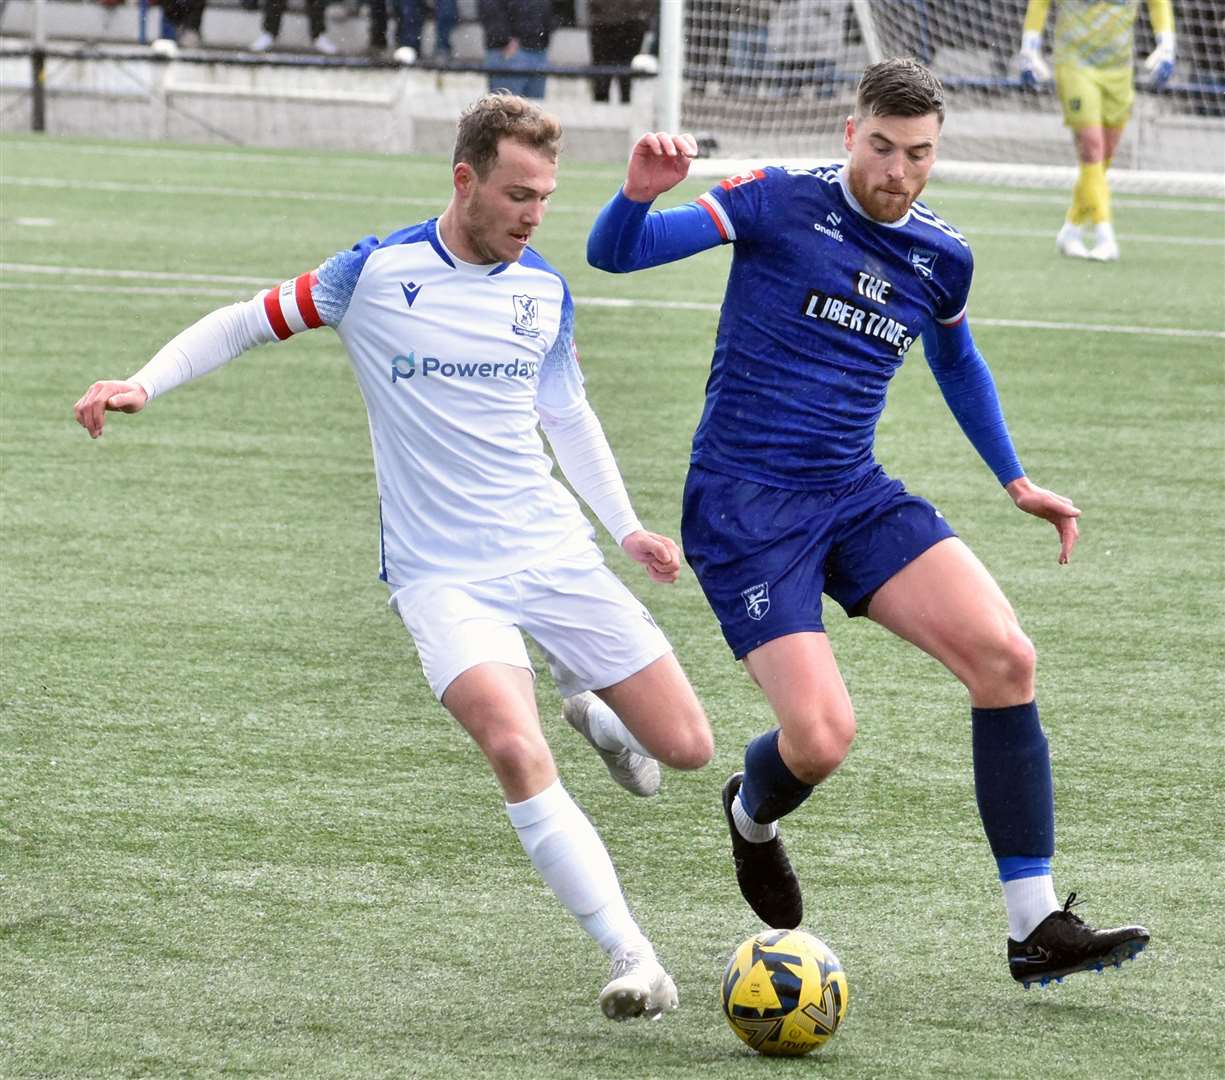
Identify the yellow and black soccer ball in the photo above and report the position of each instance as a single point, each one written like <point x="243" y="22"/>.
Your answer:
<point x="784" y="992"/>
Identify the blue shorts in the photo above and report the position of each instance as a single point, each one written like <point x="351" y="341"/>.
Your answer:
<point x="764" y="555"/>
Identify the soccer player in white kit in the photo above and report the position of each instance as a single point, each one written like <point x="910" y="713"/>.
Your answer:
<point x="461" y="338"/>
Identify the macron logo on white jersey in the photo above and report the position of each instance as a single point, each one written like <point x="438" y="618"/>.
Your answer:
<point x="410" y="291"/>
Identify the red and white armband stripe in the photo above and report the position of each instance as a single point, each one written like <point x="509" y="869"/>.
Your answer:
<point x="290" y="308"/>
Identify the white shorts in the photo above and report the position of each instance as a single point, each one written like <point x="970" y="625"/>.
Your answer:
<point x="593" y="631"/>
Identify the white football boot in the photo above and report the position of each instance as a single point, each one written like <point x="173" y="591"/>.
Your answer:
<point x="325" y="45"/>
<point x="633" y="771"/>
<point x="1071" y="242"/>
<point x="1106" y="247"/>
<point x="263" y="43"/>
<point x="637" y="986"/>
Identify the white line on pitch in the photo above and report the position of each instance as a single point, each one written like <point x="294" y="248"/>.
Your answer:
<point x="583" y="301"/>
<point x="282" y="195"/>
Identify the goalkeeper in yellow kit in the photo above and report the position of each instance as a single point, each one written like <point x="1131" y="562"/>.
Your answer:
<point x="1094" y="41"/>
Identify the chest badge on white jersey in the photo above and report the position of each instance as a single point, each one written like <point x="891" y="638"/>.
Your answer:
<point x="527" y="315"/>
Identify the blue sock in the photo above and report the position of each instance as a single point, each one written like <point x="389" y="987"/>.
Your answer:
<point x="769" y="789"/>
<point x="1012" y="783"/>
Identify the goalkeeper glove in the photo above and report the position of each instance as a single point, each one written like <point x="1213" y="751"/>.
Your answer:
<point x="1160" y="62"/>
<point x="1034" y="70"/>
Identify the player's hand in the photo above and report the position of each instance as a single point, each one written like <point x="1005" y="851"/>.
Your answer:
<point x="657" y="553"/>
<point x="658" y="163"/>
<point x="110" y="395"/>
<point x="1051" y="507"/>
<point x="1160" y="62"/>
<point x="1034" y="70"/>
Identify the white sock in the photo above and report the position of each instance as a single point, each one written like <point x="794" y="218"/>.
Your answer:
<point x="751" y="830"/>
<point x="570" y="856"/>
<point x="608" y="730"/>
<point x="1029" y="900"/>
<point x="1104" y="232"/>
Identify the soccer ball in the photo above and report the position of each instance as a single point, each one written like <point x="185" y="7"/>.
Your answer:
<point x="784" y="992"/>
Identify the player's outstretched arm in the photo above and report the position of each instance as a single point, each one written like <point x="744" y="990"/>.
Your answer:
<point x="216" y="339"/>
<point x="1054" y="508"/>
<point x="109" y="395"/>
<point x="659" y="554"/>
<point x="658" y="162"/>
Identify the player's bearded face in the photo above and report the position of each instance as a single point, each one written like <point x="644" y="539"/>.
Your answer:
<point x="890" y="159"/>
<point x="504" y="208"/>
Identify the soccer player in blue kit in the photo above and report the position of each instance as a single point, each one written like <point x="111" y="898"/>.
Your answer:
<point x="836" y="271"/>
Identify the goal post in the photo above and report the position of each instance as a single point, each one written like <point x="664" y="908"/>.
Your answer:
<point x="775" y="79"/>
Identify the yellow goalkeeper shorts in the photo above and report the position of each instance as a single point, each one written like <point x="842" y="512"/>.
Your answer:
<point x="1094" y="96"/>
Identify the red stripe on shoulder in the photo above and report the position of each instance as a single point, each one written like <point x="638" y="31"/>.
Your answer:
<point x="272" y="308"/>
<point x="713" y="217"/>
<point x="742" y="178"/>
<point x="306" y="303"/>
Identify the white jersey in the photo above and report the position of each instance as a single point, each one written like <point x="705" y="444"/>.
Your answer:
<point x="456" y="363"/>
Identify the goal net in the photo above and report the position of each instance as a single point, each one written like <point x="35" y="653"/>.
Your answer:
<point x="776" y="78"/>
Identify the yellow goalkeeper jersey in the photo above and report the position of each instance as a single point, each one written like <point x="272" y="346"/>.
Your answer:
<point x="1097" y="33"/>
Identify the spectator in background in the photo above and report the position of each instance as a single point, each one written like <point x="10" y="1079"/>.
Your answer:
<point x="407" y="14"/>
<point x="747" y="44"/>
<point x="517" y="35"/>
<point x="274" y="9"/>
<point x="617" y="29"/>
<point x="186" y="16"/>
<point x="446" y="16"/>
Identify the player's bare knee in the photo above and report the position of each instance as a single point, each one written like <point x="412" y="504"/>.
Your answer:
<point x="1005" y="667"/>
<point x="817" y="748"/>
<point x="695" y="748"/>
<point x="513" y="751"/>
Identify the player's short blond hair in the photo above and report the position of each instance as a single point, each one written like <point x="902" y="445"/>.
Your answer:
<point x="501" y="115"/>
<point x="899" y="86"/>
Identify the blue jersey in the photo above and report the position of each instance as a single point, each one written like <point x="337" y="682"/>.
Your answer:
<point x="821" y="306"/>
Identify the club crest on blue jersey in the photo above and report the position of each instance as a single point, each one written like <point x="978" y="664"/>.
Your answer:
<point x="923" y="261"/>
<point x="527" y="315"/>
<point x="757" y="600"/>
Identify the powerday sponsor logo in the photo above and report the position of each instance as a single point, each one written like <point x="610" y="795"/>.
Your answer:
<point x="405" y="367"/>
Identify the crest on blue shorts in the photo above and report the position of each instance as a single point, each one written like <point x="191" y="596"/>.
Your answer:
<point x="757" y="600"/>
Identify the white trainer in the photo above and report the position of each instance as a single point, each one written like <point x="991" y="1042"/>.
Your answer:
<point x="263" y="43"/>
<point x="325" y="45"/>
<point x="634" y="772"/>
<point x="1071" y="242"/>
<point x="405" y="55"/>
<point x="1105" y="250"/>
<point x="638" y="986"/>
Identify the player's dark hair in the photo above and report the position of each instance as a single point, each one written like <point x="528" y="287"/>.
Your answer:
<point x="899" y="86"/>
<point x="498" y="116"/>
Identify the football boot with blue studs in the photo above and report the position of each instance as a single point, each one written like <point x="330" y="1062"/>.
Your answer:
<point x="1062" y="944"/>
